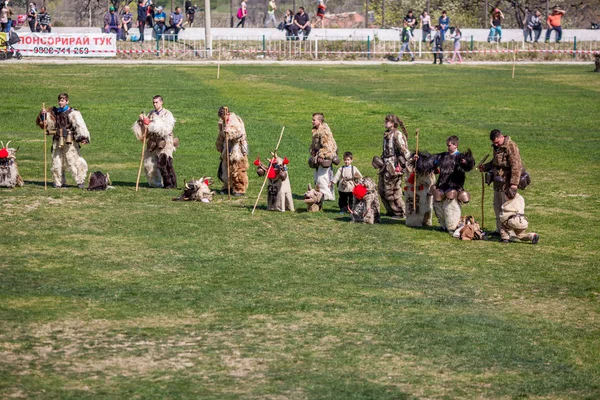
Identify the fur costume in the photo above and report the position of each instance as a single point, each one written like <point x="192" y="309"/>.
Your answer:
<point x="366" y="202"/>
<point x="422" y="216"/>
<point x="160" y="146"/>
<point x="448" y="193"/>
<point x="469" y="229"/>
<point x="9" y="172"/>
<point x="514" y="222"/>
<point x="69" y="131"/>
<point x="197" y="190"/>
<point x="279" y="197"/>
<point x="235" y="131"/>
<point x="98" y="181"/>
<point x="313" y="199"/>
<point x="391" y="168"/>
<point x="323" y="152"/>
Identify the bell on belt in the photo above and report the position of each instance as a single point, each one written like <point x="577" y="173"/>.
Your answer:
<point x="69" y="138"/>
<point x="61" y="141"/>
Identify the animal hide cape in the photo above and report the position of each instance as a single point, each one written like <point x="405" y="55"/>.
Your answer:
<point x="366" y="207"/>
<point x="9" y="172"/>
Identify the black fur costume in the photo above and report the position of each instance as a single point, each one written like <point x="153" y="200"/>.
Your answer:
<point x="451" y="168"/>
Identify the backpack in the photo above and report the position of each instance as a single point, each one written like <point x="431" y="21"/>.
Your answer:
<point x="240" y="13"/>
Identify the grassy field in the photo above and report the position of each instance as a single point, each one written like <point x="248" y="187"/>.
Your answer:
<point x="121" y="294"/>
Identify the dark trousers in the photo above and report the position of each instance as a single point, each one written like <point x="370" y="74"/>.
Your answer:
<point x="141" y="25"/>
<point x="242" y="22"/>
<point x="345" y="200"/>
<point x="558" y="30"/>
<point x="32" y="24"/>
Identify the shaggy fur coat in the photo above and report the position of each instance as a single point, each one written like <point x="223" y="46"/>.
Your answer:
<point x="160" y="146"/>
<point x="9" y="172"/>
<point x="313" y="199"/>
<point x="234" y="132"/>
<point x="394" y="155"/>
<point x="323" y="146"/>
<point x="68" y="155"/>
<point x="197" y="190"/>
<point x="422" y="215"/>
<point x="366" y="209"/>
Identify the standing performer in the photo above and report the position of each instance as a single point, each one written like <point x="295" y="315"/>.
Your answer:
<point x="323" y="153"/>
<point x="232" y="137"/>
<point x="506" y="169"/>
<point x="448" y="193"/>
<point x="69" y="132"/>
<point x="157" y="129"/>
<point x="391" y="166"/>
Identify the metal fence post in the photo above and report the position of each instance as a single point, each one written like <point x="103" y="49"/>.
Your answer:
<point x="369" y="47"/>
<point x="263" y="44"/>
<point x="471" y="42"/>
<point x="316" y="48"/>
<point x="574" y="46"/>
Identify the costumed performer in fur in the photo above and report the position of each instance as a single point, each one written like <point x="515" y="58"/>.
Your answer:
<point x="9" y="172"/>
<point x="232" y="136"/>
<point x="391" y="166"/>
<point x="513" y="219"/>
<point x="279" y="197"/>
<point x="365" y="207"/>
<point x="69" y="133"/>
<point x="313" y="198"/>
<point x="448" y="193"/>
<point x="422" y="214"/>
<point x="160" y="144"/>
<point x="323" y="153"/>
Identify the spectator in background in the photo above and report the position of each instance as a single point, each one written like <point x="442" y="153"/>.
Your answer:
<point x="425" y="25"/>
<point x="142" y="14"/>
<point x="533" y="24"/>
<point x="302" y="22"/>
<point x="111" y="22"/>
<point x="291" y="30"/>
<point x="176" y="22"/>
<point x="271" y="7"/>
<point x="126" y="21"/>
<point x="321" y="7"/>
<point x="150" y="14"/>
<point x="242" y="14"/>
<point x="159" y="22"/>
<point x="405" y="37"/>
<point x="32" y="16"/>
<point x="5" y="17"/>
<point x="444" y="23"/>
<point x="457" y="36"/>
<point x="410" y="20"/>
<point x="190" y="11"/>
<point x="554" y="24"/>
<point x="43" y="21"/>
<point x="496" y="25"/>
<point x="437" y="48"/>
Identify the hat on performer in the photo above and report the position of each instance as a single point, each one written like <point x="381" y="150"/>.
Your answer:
<point x="359" y="192"/>
<point x="3" y="153"/>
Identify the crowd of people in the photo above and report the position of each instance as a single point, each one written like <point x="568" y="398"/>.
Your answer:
<point x="436" y="35"/>
<point x="407" y="185"/>
<point x="296" y="23"/>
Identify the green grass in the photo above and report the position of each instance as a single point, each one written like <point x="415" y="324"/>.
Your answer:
<point x="121" y="294"/>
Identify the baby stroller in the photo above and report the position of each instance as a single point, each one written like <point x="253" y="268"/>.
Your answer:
<point x="9" y="51"/>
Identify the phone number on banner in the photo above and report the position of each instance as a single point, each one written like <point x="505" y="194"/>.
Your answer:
<point x="61" y="50"/>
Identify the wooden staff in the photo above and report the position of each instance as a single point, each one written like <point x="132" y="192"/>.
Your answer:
<point x="482" y="189"/>
<point x="514" y="59"/>
<point x="137" y="182"/>
<point x="415" y="172"/>
<point x="45" y="149"/>
<point x="227" y="158"/>
<point x="269" y="167"/>
<point x="219" y="63"/>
